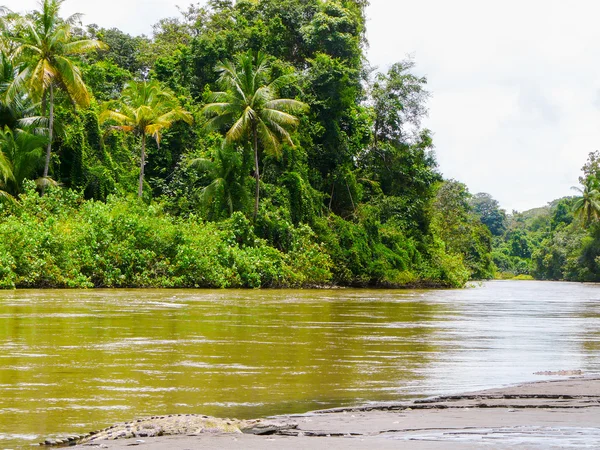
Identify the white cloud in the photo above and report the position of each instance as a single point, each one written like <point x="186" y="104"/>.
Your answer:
<point x="516" y="88"/>
<point x="132" y="16"/>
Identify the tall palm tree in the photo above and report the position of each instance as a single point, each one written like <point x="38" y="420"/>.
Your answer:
<point x="48" y="45"/>
<point x="224" y="171"/>
<point x="145" y="108"/>
<point x="588" y="205"/>
<point x="22" y="135"/>
<point x="248" y="106"/>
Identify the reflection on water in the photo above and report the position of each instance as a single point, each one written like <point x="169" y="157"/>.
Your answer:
<point x="72" y="361"/>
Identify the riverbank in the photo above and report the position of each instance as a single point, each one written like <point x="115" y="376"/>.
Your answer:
<point x="559" y="414"/>
<point x="62" y="241"/>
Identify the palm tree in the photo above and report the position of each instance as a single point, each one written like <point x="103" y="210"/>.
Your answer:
<point x="21" y="155"/>
<point x="224" y="170"/>
<point x="248" y="106"/>
<point x="588" y="205"/>
<point x="47" y="42"/>
<point x="15" y="102"/>
<point x="22" y="135"/>
<point x="145" y="108"/>
<point x="6" y="176"/>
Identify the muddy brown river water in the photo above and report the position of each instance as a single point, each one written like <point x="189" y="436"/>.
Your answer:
<point x="73" y="361"/>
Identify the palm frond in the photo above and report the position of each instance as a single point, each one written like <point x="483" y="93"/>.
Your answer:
<point x="6" y="197"/>
<point x="84" y="46"/>
<point x="268" y="139"/>
<point x="282" y="134"/>
<point x="219" y="97"/>
<point x="70" y="78"/>
<point x="35" y="124"/>
<point x="214" y="109"/>
<point x="282" y="81"/>
<point x="58" y="37"/>
<point x="202" y="164"/>
<point x="231" y="79"/>
<point x="41" y="76"/>
<point x="287" y="105"/>
<point x="281" y="118"/>
<point x="6" y="169"/>
<point x="109" y="114"/>
<point x="239" y="128"/>
<point x="208" y="193"/>
<point x="176" y="114"/>
<point x="32" y="40"/>
<point x="261" y="96"/>
<point x="14" y="88"/>
<point x="228" y="74"/>
<point x="29" y="142"/>
<point x="217" y="123"/>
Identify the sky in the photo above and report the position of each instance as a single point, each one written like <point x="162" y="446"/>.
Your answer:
<point x="515" y="108"/>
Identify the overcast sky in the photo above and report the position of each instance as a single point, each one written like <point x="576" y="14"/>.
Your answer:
<point x="516" y="84"/>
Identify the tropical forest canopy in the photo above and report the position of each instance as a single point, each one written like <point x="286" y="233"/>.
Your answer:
<point x="244" y="144"/>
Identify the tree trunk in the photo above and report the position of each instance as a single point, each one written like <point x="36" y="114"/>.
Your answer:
<point x="332" y="190"/>
<point x="256" y="171"/>
<point x="50" y="136"/>
<point x="142" y="164"/>
<point x="44" y="102"/>
<point x="350" y="194"/>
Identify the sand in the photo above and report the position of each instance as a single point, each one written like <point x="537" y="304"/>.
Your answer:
<point x="552" y="414"/>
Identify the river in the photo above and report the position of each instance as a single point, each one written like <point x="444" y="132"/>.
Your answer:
<point x="74" y="361"/>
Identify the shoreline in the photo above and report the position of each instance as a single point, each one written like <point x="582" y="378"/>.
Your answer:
<point x="562" y="413"/>
<point x="425" y="285"/>
<point x="309" y="287"/>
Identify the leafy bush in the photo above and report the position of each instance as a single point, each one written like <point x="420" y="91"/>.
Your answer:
<point x="59" y="240"/>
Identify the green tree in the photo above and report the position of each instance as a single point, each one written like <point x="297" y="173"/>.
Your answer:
<point x="15" y="103"/>
<point x="588" y="205"/>
<point x="399" y="100"/>
<point x="21" y="155"/>
<point x="22" y="135"/>
<point x="591" y="166"/>
<point x="123" y="50"/>
<point x="489" y="212"/>
<point x="226" y="185"/>
<point x="6" y="176"/>
<point x="563" y="213"/>
<point x="46" y="41"/>
<point x="399" y="156"/>
<point x="251" y="110"/>
<point x="460" y="229"/>
<point x="145" y="108"/>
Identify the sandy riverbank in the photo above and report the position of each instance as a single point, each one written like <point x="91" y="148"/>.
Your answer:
<point x="551" y="414"/>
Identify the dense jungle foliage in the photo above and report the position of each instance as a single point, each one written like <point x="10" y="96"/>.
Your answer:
<point x="560" y="241"/>
<point x="244" y="144"/>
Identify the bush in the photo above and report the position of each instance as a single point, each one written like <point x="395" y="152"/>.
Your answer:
<point x="61" y="241"/>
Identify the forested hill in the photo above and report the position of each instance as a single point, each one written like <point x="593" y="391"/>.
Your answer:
<point x="242" y="145"/>
<point x="560" y="241"/>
